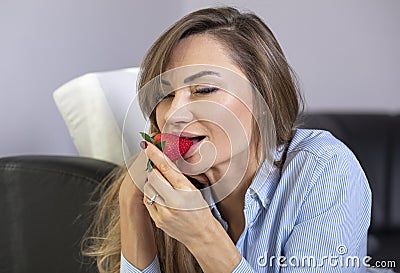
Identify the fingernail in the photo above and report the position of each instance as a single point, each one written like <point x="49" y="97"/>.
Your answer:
<point x="143" y="144"/>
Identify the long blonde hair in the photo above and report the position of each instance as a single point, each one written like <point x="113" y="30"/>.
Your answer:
<point x="254" y="49"/>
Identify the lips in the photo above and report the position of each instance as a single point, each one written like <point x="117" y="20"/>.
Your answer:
<point x="186" y="134"/>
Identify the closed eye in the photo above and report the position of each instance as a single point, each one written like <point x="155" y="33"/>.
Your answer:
<point x="200" y="91"/>
<point x="206" y="90"/>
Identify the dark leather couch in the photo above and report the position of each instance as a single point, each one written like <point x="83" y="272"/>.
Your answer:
<point x="44" y="210"/>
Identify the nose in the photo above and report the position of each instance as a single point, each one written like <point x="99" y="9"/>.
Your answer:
<point x="179" y="113"/>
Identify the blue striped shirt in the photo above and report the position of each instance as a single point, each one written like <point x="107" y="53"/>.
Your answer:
<point x="311" y="216"/>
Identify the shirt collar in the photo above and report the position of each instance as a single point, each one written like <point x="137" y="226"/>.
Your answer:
<point x="207" y="195"/>
<point x="262" y="187"/>
<point x="265" y="181"/>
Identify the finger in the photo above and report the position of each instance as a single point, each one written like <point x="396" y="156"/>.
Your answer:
<point x="172" y="198"/>
<point x="160" y="184"/>
<point x="151" y="194"/>
<point x="137" y="169"/>
<point x="168" y="169"/>
<point x="152" y="209"/>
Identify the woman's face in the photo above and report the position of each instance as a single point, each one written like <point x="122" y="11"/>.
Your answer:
<point x="202" y="111"/>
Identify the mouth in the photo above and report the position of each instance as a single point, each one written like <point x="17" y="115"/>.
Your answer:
<point x="191" y="136"/>
<point x="197" y="140"/>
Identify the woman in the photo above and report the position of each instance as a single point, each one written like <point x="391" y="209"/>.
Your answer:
<point x="301" y="199"/>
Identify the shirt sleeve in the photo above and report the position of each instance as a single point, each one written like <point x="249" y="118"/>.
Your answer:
<point x="127" y="267"/>
<point x="330" y="233"/>
<point x="243" y="267"/>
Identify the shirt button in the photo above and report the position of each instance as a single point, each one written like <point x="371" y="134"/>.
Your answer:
<point x="267" y="201"/>
<point x="253" y="194"/>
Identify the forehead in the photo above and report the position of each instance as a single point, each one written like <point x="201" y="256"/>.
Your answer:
<point x="201" y="49"/>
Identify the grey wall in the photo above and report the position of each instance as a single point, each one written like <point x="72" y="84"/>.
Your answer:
<point x="345" y="52"/>
<point x="46" y="43"/>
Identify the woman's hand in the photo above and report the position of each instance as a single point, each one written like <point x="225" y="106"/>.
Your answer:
<point x="131" y="190"/>
<point x="137" y="237"/>
<point x="180" y="210"/>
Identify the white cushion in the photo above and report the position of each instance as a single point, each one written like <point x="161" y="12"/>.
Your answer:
<point x="94" y="107"/>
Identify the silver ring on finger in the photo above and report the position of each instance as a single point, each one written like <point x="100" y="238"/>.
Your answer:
<point x="152" y="199"/>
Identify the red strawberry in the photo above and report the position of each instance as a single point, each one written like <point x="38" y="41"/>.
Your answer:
<point x="172" y="146"/>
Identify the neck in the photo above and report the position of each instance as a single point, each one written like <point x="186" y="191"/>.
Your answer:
<point x="229" y="189"/>
<point x="231" y="207"/>
<point x="232" y="190"/>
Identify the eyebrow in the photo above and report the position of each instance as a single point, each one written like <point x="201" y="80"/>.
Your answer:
<point x="199" y="75"/>
<point x="165" y="82"/>
<point x="195" y="76"/>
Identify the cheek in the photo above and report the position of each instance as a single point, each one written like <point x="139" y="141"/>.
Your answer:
<point x="243" y="115"/>
<point x="246" y="118"/>
<point x="160" y="114"/>
<point x="232" y="133"/>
